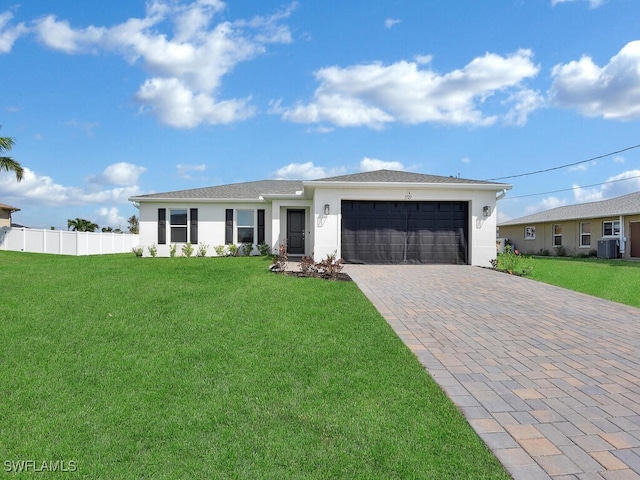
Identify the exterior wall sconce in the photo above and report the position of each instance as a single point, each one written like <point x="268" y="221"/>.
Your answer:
<point x="486" y="211"/>
<point x="327" y="209"/>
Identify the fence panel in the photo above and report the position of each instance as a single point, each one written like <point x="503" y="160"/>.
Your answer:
<point x="66" y="243"/>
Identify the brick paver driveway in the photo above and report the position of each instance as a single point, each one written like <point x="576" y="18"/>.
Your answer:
<point x="549" y="378"/>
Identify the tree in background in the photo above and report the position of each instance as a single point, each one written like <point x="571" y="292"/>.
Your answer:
<point x="7" y="163"/>
<point x="81" y="225"/>
<point x="133" y="224"/>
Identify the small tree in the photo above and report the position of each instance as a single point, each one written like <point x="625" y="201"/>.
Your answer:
<point x="81" y="225"/>
<point x="133" y="224"/>
<point x="7" y="163"/>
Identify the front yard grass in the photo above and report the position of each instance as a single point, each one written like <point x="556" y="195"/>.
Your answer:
<point x="616" y="280"/>
<point x="214" y="368"/>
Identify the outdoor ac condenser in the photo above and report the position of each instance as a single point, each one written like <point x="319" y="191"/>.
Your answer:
<point x="608" y="248"/>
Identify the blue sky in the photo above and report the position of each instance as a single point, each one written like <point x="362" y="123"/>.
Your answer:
<point x="113" y="99"/>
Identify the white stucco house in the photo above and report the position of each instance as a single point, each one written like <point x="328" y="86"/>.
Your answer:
<point x="379" y="217"/>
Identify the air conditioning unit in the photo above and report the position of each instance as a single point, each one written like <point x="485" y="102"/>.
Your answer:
<point x="608" y="248"/>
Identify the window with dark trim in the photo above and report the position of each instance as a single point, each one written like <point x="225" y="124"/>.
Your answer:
<point x="611" y="228"/>
<point x="245" y="220"/>
<point x="178" y="225"/>
<point x="529" y="233"/>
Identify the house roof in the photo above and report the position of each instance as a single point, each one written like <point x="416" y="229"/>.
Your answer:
<point x="256" y="190"/>
<point x="4" y="206"/>
<point x="614" y="207"/>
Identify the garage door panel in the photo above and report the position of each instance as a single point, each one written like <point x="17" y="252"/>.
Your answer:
<point x="404" y="232"/>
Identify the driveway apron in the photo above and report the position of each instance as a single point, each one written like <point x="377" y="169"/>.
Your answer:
<point x="548" y="378"/>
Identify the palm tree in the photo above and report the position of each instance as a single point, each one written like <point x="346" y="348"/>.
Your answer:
<point x="81" y="225"/>
<point x="8" y="163"/>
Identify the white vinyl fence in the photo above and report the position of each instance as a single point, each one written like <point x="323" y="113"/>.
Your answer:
<point x="62" y="242"/>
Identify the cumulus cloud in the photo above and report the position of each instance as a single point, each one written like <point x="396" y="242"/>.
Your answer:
<point x="185" y="52"/>
<point x="546" y="204"/>
<point x="621" y="184"/>
<point x="371" y="164"/>
<point x="9" y="34"/>
<point x="110" y="216"/>
<point x="38" y="189"/>
<point x="184" y="171"/>
<point x="121" y="173"/>
<point x="306" y="171"/>
<point x="374" y="94"/>
<point x="611" y="91"/>
<point x="592" y="3"/>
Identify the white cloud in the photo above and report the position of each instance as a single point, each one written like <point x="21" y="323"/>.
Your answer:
<point x="8" y="34"/>
<point x="121" y="173"/>
<point x="545" y="204"/>
<point x="621" y="184"/>
<point x="525" y="102"/>
<point x="42" y="190"/>
<point x="582" y="167"/>
<point x="466" y="160"/>
<point x="592" y="3"/>
<point x="306" y="171"/>
<point x="618" y="159"/>
<point x="371" y="164"/>
<point x="110" y="217"/>
<point x="184" y="170"/>
<point x="390" y="22"/>
<point x="187" y="59"/>
<point x="612" y="91"/>
<point x="374" y="94"/>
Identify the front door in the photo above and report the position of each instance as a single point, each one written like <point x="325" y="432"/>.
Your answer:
<point x="635" y="239"/>
<point x="295" y="232"/>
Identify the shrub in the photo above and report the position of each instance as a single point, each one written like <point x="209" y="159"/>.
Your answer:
<point x="246" y="249"/>
<point x="221" y="250"/>
<point x="308" y="265"/>
<point x="138" y="250"/>
<point x="512" y="262"/>
<point x="187" y="249"/>
<point x="560" y="251"/>
<point x="331" y="266"/>
<point x="233" y="249"/>
<point x="202" y="249"/>
<point x="264" y="249"/>
<point x="280" y="260"/>
<point x="172" y="250"/>
<point x="153" y="250"/>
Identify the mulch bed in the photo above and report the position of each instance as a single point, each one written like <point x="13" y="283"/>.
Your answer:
<point x="341" y="277"/>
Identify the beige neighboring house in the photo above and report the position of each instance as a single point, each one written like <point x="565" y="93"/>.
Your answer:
<point x="5" y="214"/>
<point x="611" y="228"/>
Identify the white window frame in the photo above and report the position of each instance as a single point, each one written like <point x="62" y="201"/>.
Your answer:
<point x="614" y="232"/>
<point x="178" y="227"/>
<point x="530" y="233"/>
<point x="242" y="217"/>
<point x="585" y="234"/>
<point x="556" y="235"/>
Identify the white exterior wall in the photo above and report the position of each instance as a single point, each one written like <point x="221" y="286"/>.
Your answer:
<point x="482" y="231"/>
<point x="211" y="224"/>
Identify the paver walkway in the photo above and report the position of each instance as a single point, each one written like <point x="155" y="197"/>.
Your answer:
<point x="549" y="378"/>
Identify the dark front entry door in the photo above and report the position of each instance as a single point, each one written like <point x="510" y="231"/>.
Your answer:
<point x="635" y="239"/>
<point x="295" y="232"/>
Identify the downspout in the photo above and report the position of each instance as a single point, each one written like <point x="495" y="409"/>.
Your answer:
<point x="622" y="239"/>
<point x="501" y="195"/>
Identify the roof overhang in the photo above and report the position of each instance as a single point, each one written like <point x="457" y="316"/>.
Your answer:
<point x="495" y="187"/>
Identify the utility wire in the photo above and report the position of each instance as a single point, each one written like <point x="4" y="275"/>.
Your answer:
<point x="564" y="166"/>
<point x="568" y="189"/>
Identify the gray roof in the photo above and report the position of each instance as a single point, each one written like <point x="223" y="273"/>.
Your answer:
<point x="238" y="191"/>
<point x="254" y="190"/>
<point x="4" y="206"/>
<point x="395" y="176"/>
<point x="614" y="207"/>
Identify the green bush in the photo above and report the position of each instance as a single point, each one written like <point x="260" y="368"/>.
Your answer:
<point x="187" y="249"/>
<point x="514" y="263"/>
<point x="172" y="250"/>
<point x="264" y="249"/>
<point x="202" y="249"/>
<point x="153" y="250"/>
<point x="138" y="250"/>
<point x="221" y="250"/>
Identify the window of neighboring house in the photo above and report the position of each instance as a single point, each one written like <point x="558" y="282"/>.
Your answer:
<point x="529" y="233"/>
<point x="611" y="229"/>
<point x="557" y="235"/>
<point x="585" y="234"/>
<point x="245" y="221"/>
<point x="178" y="225"/>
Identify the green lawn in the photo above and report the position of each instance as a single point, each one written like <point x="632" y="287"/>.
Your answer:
<point x="213" y="368"/>
<point x="615" y="280"/>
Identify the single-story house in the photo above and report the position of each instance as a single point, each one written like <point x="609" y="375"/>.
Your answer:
<point x="5" y="214"/>
<point x="582" y="228"/>
<point x="383" y="216"/>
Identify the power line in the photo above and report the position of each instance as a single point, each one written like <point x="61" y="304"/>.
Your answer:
<point x="572" y="188"/>
<point x="565" y="166"/>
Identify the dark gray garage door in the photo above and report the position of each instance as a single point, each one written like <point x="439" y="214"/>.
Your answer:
<point x="404" y="232"/>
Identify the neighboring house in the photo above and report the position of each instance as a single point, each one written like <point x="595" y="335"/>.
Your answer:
<point x="5" y="214"/>
<point x="582" y="228"/>
<point x="383" y="216"/>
